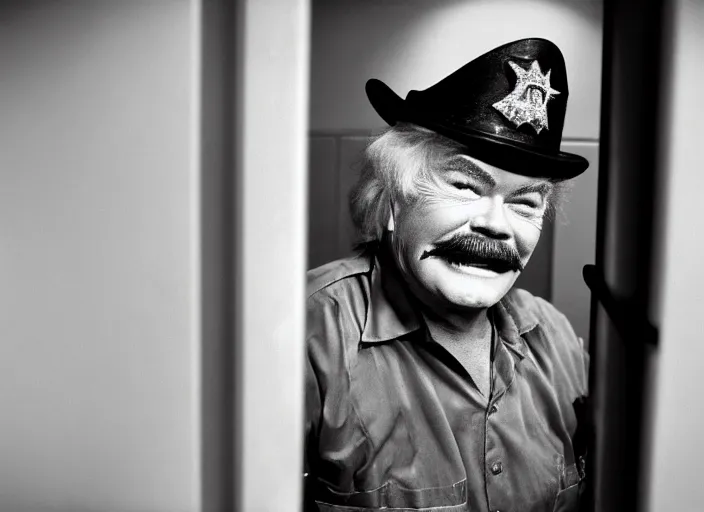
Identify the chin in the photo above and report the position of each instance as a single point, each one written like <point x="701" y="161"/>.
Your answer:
<point x="473" y="287"/>
<point x="474" y="296"/>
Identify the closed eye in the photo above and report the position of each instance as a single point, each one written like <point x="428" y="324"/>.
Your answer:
<point x="531" y="203"/>
<point x="463" y="185"/>
<point x="460" y="181"/>
<point x="533" y="195"/>
<point x="530" y="207"/>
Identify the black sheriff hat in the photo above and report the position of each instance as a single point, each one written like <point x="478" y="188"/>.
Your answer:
<point x="507" y="107"/>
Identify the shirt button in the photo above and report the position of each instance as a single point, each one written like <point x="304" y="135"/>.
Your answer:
<point x="493" y="409"/>
<point x="497" y="468"/>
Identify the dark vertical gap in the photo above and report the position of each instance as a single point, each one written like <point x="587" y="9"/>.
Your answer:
<point x="311" y="234"/>
<point x="645" y="175"/>
<point x="602" y="199"/>
<point x="340" y="247"/>
<point x="631" y="95"/>
<point x="237" y="19"/>
<point x="217" y="244"/>
<point x="334" y="252"/>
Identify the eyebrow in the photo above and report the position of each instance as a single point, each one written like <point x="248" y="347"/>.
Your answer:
<point x="543" y="187"/>
<point x="466" y="166"/>
<point x="469" y="168"/>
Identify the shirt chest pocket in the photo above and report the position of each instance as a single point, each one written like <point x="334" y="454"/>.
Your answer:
<point x="326" y="507"/>
<point x="393" y="498"/>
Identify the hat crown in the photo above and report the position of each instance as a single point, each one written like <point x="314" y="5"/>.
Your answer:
<point x="507" y="107"/>
<point x="528" y="76"/>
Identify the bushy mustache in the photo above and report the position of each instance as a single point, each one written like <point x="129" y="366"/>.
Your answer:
<point x="474" y="249"/>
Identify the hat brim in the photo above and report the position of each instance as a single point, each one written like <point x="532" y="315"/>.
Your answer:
<point x="497" y="151"/>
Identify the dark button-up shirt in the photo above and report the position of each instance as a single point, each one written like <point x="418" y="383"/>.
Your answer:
<point x="394" y="422"/>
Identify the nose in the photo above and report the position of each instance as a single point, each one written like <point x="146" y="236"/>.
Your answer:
<point x="491" y="220"/>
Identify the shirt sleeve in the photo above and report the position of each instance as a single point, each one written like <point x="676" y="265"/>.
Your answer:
<point x="312" y="410"/>
<point x="321" y="367"/>
<point x="312" y="419"/>
<point x="575" y="361"/>
<point x="568" y="349"/>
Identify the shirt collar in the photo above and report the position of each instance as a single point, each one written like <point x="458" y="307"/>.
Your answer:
<point x="513" y="318"/>
<point x="392" y="314"/>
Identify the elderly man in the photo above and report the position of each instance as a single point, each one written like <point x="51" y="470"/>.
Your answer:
<point x="431" y="383"/>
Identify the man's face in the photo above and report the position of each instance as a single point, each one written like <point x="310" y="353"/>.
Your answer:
<point x="463" y="239"/>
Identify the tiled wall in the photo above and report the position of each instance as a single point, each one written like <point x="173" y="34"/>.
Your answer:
<point x="334" y="168"/>
<point x="411" y="44"/>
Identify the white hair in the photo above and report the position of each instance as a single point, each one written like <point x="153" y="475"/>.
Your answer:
<point x="397" y="162"/>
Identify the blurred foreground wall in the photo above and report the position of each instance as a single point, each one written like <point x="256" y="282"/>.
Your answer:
<point x="677" y="418"/>
<point x="414" y="44"/>
<point x="98" y="301"/>
<point x="152" y="262"/>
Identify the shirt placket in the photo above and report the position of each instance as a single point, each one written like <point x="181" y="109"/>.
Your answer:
<point x="495" y="462"/>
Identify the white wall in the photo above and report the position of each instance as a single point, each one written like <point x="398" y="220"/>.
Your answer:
<point x="413" y="44"/>
<point x="678" y="421"/>
<point x="98" y="288"/>
<point x="271" y="266"/>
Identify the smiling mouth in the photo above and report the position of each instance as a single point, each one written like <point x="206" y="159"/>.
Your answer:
<point x="464" y="261"/>
<point x="479" y="270"/>
<point x="498" y="268"/>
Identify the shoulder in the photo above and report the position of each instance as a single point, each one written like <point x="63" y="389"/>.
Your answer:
<point x="337" y="299"/>
<point x="529" y="311"/>
<point x="550" y="336"/>
<point x="341" y="282"/>
<point x="321" y="279"/>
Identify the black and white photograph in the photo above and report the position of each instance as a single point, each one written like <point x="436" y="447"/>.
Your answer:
<point x="351" y="255"/>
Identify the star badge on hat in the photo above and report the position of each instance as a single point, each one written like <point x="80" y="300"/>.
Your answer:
<point x="527" y="103"/>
